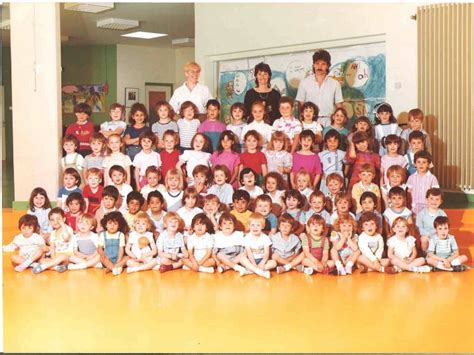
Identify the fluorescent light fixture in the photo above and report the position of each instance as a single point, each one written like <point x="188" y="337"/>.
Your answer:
<point x="117" y="24"/>
<point x="92" y="7"/>
<point x="183" y="42"/>
<point x="144" y="35"/>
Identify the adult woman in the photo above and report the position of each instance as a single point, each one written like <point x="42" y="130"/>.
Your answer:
<point x="263" y="92"/>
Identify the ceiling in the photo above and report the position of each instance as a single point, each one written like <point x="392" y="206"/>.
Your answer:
<point x="174" y="19"/>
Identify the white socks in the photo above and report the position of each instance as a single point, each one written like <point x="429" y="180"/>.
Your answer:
<point x="288" y="267"/>
<point x="23" y="265"/>
<point x="209" y="270"/>
<point x="455" y="262"/>
<point x="238" y="268"/>
<point x="265" y="274"/>
<point x="77" y="266"/>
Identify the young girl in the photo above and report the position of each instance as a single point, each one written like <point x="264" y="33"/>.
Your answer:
<point x="201" y="178"/>
<point x="200" y="245"/>
<point x="153" y="178"/>
<point x="169" y="155"/>
<point x="72" y="159"/>
<point x="363" y="124"/>
<point x="338" y="122"/>
<point x="197" y="156"/>
<point x="171" y="248"/>
<point x="309" y="119"/>
<point x="253" y="158"/>
<point x="118" y="178"/>
<point x="398" y="208"/>
<point x="173" y="194"/>
<point x="258" y="121"/>
<point x="144" y="159"/>
<point x="385" y="124"/>
<point x="345" y="250"/>
<point x="286" y="246"/>
<point x="317" y="204"/>
<point x="110" y="198"/>
<point x="275" y="187"/>
<point x="75" y="208"/>
<point x="212" y="207"/>
<point x="71" y="181"/>
<point x="278" y="158"/>
<point x="221" y="188"/>
<point x="189" y="209"/>
<point x="165" y="122"/>
<point x="294" y="203"/>
<point x="303" y="183"/>
<point x="155" y="202"/>
<point x="138" y="119"/>
<point x="227" y="154"/>
<point x="402" y="249"/>
<point x="306" y="159"/>
<point x="115" y="157"/>
<point x="368" y="201"/>
<point x="96" y="158"/>
<point x="39" y="206"/>
<point x="140" y="246"/>
<point x="248" y="179"/>
<point x="187" y="125"/>
<point x="237" y="113"/>
<point x="315" y="247"/>
<point x="393" y="145"/>
<point x="84" y="245"/>
<point x="343" y="204"/>
<point x="396" y="176"/>
<point x="333" y="160"/>
<point x="111" y="244"/>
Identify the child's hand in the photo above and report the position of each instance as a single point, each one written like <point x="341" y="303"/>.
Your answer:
<point x="446" y="263"/>
<point x="174" y="257"/>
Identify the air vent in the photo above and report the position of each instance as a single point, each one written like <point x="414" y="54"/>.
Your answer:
<point x="118" y="24"/>
<point x="91" y="7"/>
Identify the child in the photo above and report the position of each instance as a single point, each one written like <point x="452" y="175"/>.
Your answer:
<point x="385" y="124"/>
<point x="201" y="178"/>
<point x="392" y="145"/>
<point x="332" y="159"/>
<point x="116" y="125"/>
<point x="317" y="204"/>
<point x="309" y="120"/>
<point x="335" y="186"/>
<point x="169" y="155"/>
<point x="75" y="207"/>
<point x="71" y="182"/>
<point x="165" y="122"/>
<point x="153" y="178"/>
<point x="345" y="250"/>
<point x="145" y="158"/>
<point x="221" y="187"/>
<point x="366" y="178"/>
<point x="286" y="246"/>
<point x="368" y="201"/>
<point x="247" y="179"/>
<point x="211" y="126"/>
<point x="240" y="200"/>
<point x="237" y="113"/>
<point x="275" y="187"/>
<point x="288" y="124"/>
<point x="306" y="159"/>
<point x="110" y="197"/>
<point x="358" y="154"/>
<point x="200" y="245"/>
<point x="415" y="123"/>
<point x="263" y="205"/>
<point x="84" y="245"/>
<point x="93" y="190"/>
<point x="396" y="176"/>
<point x="135" y="202"/>
<point x="82" y="129"/>
<point x="257" y="247"/>
<point x="118" y="178"/>
<point x="111" y="243"/>
<point x="257" y="122"/>
<point x="155" y="202"/>
<point x="212" y="209"/>
<point x="421" y="181"/>
<point x="371" y="246"/>
<point x="363" y="124"/>
<point x="227" y="154"/>
<point x="71" y="159"/>
<point x="338" y="122"/>
<point x="115" y="157"/>
<point x="39" y="206"/>
<point x="278" y="158"/>
<point x="398" y="198"/>
<point x="31" y="245"/>
<point x="140" y="246"/>
<point x="426" y="217"/>
<point x="303" y="183"/>
<point x="294" y="203"/>
<point x="197" y="156"/>
<point x="96" y="158"/>
<point x="173" y="194"/>
<point x="343" y="205"/>
<point x="138" y="119"/>
<point x="315" y="247"/>
<point x="443" y="252"/>
<point x="253" y="158"/>
<point x="187" y="125"/>
<point x="228" y="245"/>
<point x="171" y="248"/>
<point x="402" y="249"/>
<point x="416" y="140"/>
<point x="189" y="209"/>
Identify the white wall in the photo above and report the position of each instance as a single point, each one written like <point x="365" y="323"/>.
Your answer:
<point x="183" y="56"/>
<point x="227" y="31"/>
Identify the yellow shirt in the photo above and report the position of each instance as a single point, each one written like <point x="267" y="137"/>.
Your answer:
<point x="243" y="218"/>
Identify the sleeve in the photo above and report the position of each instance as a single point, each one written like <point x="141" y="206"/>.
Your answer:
<point x="432" y="246"/>
<point x="202" y="127"/>
<point x="127" y="161"/>
<point x="85" y="164"/>
<point x="419" y="223"/>
<point x="435" y="182"/>
<point x="174" y="101"/>
<point x="122" y="240"/>
<point x="297" y="244"/>
<point x="74" y="241"/>
<point x="288" y="162"/>
<point x="390" y="243"/>
<point x="80" y="161"/>
<point x="454" y="245"/>
<point x="185" y="156"/>
<point x="301" y="94"/>
<point x="159" y="243"/>
<point x="136" y="160"/>
<point x="380" y="246"/>
<point x="11" y="247"/>
<point x="334" y="238"/>
<point x="410" y="182"/>
<point x="299" y="127"/>
<point x="304" y="240"/>
<point x="103" y="126"/>
<point x="190" y="242"/>
<point x="267" y="241"/>
<point x="263" y="158"/>
<point x="101" y="240"/>
<point x="338" y="94"/>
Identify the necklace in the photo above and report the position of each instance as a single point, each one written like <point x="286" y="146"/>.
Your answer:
<point x="263" y="97"/>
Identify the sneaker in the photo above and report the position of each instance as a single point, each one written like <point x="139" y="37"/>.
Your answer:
<point x="33" y="265"/>
<point x="60" y="268"/>
<point x="220" y="269"/>
<point x="244" y="272"/>
<point x="459" y="268"/>
<point x="98" y="265"/>
<point x="390" y="270"/>
<point x="338" y="271"/>
<point x="423" y="269"/>
<point x="300" y="268"/>
<point x="117" y="270"/>
<point x="37" y="269"/>
<point x="165" y="268"/>
<point x="280" y="270"/>
<point x="308" y="271"/>
<point x="156" y="267"/>
<point x="267" y="275"/>
<point x="348" y="270"/>
<point x="444" y="268"/>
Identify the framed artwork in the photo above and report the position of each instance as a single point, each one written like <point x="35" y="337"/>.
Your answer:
<point x="93" y="95"/>
<point x="155" y="92"/>
<point x="131" y="96"/>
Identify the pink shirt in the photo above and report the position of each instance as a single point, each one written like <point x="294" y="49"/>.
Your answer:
<point x="229" y="159"/>
<point x="419" y="184"/>
<point x="310" y="163"/>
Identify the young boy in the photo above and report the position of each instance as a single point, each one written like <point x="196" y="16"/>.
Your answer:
<point x="398" y="208"/>
<point x="396" y="176"/>
<point x="421" y="181"/>
<point x="263" y="205"/>
<point x="82" y="129"/>
<point x="366" y="176"/>
<point x="288" y="124"/>
<point x="240" y="200"/>
<point x="169" y="155"/>
<point x="93" y="190"/>
<point x="212" y="127"/>
<point x="332" y="159"/>
<point x="153" y="178"/>
<point x="368" y="202"/>
<point x="115" y="125"/>
<point x="165" y="122"/>
<point x="415" y="123"/>
<point x="135" y="202"/>
<point x="335" y="185"/>
<point x="71" y="159"/>
<point x="110" y="196"/>
<point x="72" y="180"/>
<point x="118" y="177"/>
<point x="416" y="140"/>
<point x="426" y="217"/>
<point x="286" y="246"/>
<point x="96" y="158"/>
<point x="147" y="157"/>
<point x="443" y="252"/>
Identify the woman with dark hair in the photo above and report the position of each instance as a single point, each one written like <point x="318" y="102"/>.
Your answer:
<point x="263" y="92"/>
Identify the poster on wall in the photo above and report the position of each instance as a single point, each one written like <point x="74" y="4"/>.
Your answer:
<point x="93" y="95"/>
<point x="359" y="69"/>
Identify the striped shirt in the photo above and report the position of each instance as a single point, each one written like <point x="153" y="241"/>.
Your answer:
<point x="187" y="130"/>
<point x="418" y="185"/>
<point x="443" y="248"/>
<point x="332" y="162"/>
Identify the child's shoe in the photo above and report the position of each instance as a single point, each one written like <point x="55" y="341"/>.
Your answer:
<point x="424" y="269"/>
<point x="117" y="270"/>
<point x="244" y="272"/>
<point x="23" y="266"/>
<point x="98" y="265"/>
<point x="441" y="266"/>
<point x="308" y="271"/>
<point x="391" y="270"/>
<point x="37" y="269"/>
<point x="209" y="270"/>
<point x="165" y="268"/>
<point x="328" y="270"/>
<point x="280" y="270"/>
<point x="300" y="268"/>
<point x="220" y="269"/>
<point x="348" y="269"/>
<point x="459" y="268"/>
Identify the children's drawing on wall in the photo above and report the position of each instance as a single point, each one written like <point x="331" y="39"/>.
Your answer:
<point x="93" y="95"/>
<point x="359" y="69"/>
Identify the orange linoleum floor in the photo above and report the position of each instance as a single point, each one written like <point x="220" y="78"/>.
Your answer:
<point x="182" y="311"/>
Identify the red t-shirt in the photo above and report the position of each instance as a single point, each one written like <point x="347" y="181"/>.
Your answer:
<point x="94" y="198"/>
<point x="71" y="220"/>
<point x="168" y="161"/>
<point x="82" y="132"/>
<point x="253" y="161"/>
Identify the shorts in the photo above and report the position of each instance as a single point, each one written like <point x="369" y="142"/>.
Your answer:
<point x="230" y="252"/>
<point x="257" y="261"/>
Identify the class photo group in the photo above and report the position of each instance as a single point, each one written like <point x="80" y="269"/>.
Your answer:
<point x="288" y="185"/>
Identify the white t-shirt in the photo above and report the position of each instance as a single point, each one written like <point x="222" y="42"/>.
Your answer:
<point x="116" y="159"/>
<point x="257" y="244"/>
<point x="62" y="246"/>
<point x="224" y="241"/>
<point x="188" y="215"/>
<point x="72" y="159"/>
<point x="199" y="96"/>
<point x="261" y="127"/>
<point x="278" y="197"/>
<point x="402" y="248"/>
<point x="143" y="160"/>
<point x="110" y="126"/>
<point x="200" y="245"/>
<point x="168" y="244"/>
<point x="390" y="215"/>
<point x="192" y="158"/>
<point x="28" y="246"/>
<point x="135" y="246"/>
<point x="173" y="200"/>
<point x="85" y="245"/>
<point x="124" y="190"/>
<point x="257" y="191"/>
